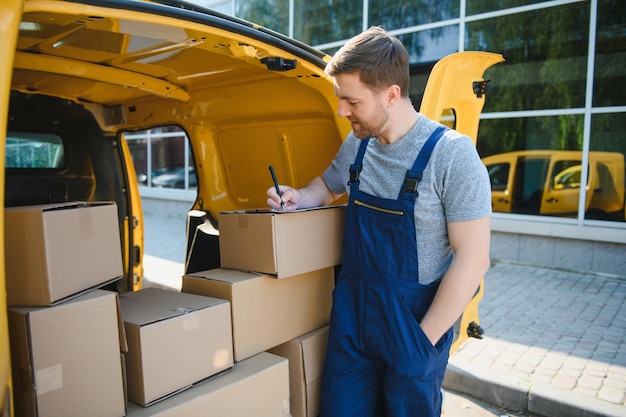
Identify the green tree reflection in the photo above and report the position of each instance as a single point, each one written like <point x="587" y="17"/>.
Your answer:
<point x="272" y="14"/>
<point x="545" y="68"/>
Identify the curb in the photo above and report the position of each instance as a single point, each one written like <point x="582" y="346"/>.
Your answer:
<point x="506" y="393"/>
<point x="516" y="395"/>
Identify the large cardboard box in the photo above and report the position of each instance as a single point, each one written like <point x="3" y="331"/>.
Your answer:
<point x="174" y="341"/>
<point x="282" y="243"/>
<point x="306" y="355"/>
<point x="258" y="386"/>
<point x="55" y="251"/>
<point x="266" y="311"/>
<point x="66" y="358"/>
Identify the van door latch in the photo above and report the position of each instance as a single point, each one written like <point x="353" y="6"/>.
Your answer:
<point x="276" y="63"/>
<point x="474" y="330"/>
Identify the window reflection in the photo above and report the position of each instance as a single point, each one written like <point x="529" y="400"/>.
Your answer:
<point x="535" y="169"/>
<point x="563" y="132"/>
<point x="430" y="46"/>
<point x="393" y="14"/>
<point x="608" y="138"/>
<point x="546" y="57"/>
<point x="610" y="55"/>
<point x="548" y="182"/>
<point x="482" y="6"/>
<point x="323" y="22"/>
<point x="273" y="14"/>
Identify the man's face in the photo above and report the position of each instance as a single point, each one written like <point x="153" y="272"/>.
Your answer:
<point x="361" y="105"/>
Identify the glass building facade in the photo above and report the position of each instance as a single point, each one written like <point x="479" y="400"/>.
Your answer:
<point x="557" y="104"/>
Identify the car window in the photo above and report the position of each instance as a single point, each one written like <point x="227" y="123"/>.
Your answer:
<point x="34" y="150"/>
<point x="499" y="176"/>
<point x="566" y="174"/>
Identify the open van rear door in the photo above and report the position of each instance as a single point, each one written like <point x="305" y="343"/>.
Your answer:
<point x="10" y="12"/>
<point x="455" y="96"/>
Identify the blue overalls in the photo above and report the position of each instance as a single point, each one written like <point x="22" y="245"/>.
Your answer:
<point x="379" y="362"/>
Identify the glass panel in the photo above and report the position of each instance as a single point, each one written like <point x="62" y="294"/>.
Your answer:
<point x="606" y="177"/>
<point x="163" y="151"/>
<point x="323" y="22"/>
<point x="393" y="14"/>
<point x="138" y="146"/>
<point x="533" y="163"/>
<point x="224" y="6"/>
<point x="482" y="6"/>
<point x="609" y="72"/>
<point x="425" y="49"/>
<point x="273" y="14"/>
<point x="529" y="133"/>
<point x="34" y="150"/>
<point x="545" y="53"/>
<point x="429" y="46"/>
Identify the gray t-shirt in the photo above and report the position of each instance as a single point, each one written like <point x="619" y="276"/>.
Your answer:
<point x="455" y="186"/>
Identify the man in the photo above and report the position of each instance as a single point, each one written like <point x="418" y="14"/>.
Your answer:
<point x="416" y="242"/>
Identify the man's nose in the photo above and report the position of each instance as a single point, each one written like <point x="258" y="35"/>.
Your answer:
<point x="344" y="110"/>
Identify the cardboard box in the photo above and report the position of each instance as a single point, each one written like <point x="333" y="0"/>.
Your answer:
<point x="306" y="355"/>
<point x="174" y="341"/>
<point x="55" y="251"/>
<point x="282" y="243"/>
<point x="258" y="386"/>
<point x="66" y="358"/>
<point x="266" y="311"/>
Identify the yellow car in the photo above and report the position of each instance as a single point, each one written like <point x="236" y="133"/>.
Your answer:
<point x="78" y="76"/>
<point x="547" y="182"/>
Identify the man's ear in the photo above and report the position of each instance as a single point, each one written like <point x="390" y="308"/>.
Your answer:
<point x="393" y="94"/>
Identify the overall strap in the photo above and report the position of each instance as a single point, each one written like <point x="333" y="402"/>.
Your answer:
<point x="357" y="166"/>
<point x="414" y="175"/>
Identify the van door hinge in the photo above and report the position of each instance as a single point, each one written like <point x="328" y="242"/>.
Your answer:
<point x="481" y="87"/>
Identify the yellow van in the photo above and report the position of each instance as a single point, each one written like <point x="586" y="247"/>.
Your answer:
<point x="548" y="182"/>
<point x="80" y="75"/>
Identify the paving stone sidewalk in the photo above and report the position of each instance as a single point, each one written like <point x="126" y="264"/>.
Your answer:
<point x="554" y="345"/>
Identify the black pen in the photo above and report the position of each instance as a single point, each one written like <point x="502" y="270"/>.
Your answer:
<point x="280" y="195"/>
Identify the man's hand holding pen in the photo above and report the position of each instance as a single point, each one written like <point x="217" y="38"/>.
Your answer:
<point x="314" y="194"/>
<point x="284" y="202"/>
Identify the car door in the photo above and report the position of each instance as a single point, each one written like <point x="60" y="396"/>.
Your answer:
<point x="456" y="91"/>
<point x="562" y="191"/>
<point x="501" y="169"/>
<point x="11" y="12"/>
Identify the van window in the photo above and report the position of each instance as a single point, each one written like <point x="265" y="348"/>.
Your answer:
<point x="448" y="118"/>
<point x="566" y="174"/>
<point x="499" y="175"/>
<point x="34" y="150"/>
<point x="162" y="158"/>
<point x="530" y="177"/>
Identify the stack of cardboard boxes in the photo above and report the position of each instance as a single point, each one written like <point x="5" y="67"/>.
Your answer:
<point x="66" y="343"/>
<point x="278" y="273"/>
<point x="248" y="338"/>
